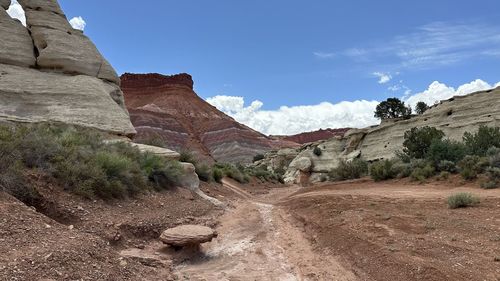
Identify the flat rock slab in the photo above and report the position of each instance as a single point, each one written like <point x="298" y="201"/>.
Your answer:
<point x="185" y="235"/>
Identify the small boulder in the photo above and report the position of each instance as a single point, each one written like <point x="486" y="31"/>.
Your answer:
<point x="303" y="164"/>
<point x="188" y="235"/>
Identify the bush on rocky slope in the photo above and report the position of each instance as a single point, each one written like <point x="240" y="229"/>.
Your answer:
<point x="81" y="161"/>
<point x="354" y="169"/>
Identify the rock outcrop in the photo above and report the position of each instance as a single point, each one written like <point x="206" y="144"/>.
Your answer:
<point x="188" y="235"/>
<point x="454" y="117"/>
<point x="166" y="107"/>
<point x="50" y="72"/>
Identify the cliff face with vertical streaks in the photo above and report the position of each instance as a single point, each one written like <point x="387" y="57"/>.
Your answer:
<point x="50" y="72"/>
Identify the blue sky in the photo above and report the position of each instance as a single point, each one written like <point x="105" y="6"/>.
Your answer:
<point x="299" y="53"/>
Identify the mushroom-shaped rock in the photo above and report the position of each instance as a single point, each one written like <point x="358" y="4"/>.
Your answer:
<point x="186" y="235"/>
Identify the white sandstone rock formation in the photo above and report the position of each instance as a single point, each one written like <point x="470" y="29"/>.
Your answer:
<point x="50" y="72"/>
<point x="454" y="117"/>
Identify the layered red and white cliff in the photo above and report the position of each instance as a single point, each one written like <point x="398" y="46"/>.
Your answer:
<point x="167" y="107"/>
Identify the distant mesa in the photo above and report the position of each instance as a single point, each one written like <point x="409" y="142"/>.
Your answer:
<point x="321" y="134"/>
<point x="165" y="109"/>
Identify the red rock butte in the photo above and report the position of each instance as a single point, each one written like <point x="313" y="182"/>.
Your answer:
<point x="167" y="108"/>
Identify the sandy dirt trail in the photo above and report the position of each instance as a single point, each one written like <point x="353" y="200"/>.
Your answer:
<point x="257" y="241"/>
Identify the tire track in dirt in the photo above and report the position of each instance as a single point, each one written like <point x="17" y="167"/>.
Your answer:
<point x="258" y="242"/>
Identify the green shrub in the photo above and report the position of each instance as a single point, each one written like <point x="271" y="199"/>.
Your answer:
<point x="471" y="166"/>
<point x="493" y="174"/>
<point x="83" y="163"/>
<point x="462" y="200"/>
<point x="153" y="140"/>
<point x="187" y="157"/>
<point x="417" y="141"/>
<point x="204" y="172"/>
<point x="421" y="174"/>
<point x="163" y="173"/>
<point x="494" y="155"/>
<point x="403" y="157"/>
<point x="444" y="175"/>
<point x="229" y="170"/>
<point x="402" y="169"/>
<point x="447" y="166"/>
<point x="346" y="170"/>
<point x="382" y="170"/>
<point x="445" y="150"/>
<point x="263" y="173"/>
<point x="317" y="151"/>
<point x="480" y="142"/>
<point x="258" y="157"/>
<point x="217" y="174"/>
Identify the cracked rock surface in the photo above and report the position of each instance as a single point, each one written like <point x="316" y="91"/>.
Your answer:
<point x="52" y="72"/>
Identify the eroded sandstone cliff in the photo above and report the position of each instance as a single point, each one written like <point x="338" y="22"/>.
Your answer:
<point x="167" y="107"/>
<point x="454" y="117"/>
<point x="52" y="72"/>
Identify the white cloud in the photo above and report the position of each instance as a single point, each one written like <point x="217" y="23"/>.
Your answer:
<point x="432" y="45"/>
<point x="78" y="23"/>
<point x="354" y="114"/>
<point x="394" y="88"/>
<point x="323" y="55"/>
<point x="439" y="91"/>
<point x="296" y="119"/>
<point x="383" y="77"/>
<point x="16" y="11"/>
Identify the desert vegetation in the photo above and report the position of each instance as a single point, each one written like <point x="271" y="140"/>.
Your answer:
<point x="462" y="200"/>
<point x="426" y="153"/>
<point x="81" y="161"/>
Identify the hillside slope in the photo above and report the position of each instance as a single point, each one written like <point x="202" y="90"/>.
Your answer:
<point x="307" y="137"/>
<point x="168" y="108"/>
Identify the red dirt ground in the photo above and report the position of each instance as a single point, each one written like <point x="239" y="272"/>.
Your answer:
<point x="401" y="231"/>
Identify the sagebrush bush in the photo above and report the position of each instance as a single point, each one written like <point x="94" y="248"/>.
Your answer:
<point x="472" y="165"/>
<point x="347" y="170"/>
<point x="423" y="173"/>
<point x="444" y="175"/>
<point x="462" y="200"/>
<point x="402" y="169"/>
<point x="447" y="166"/>
<point x="493" y="174"/>
<point x="382" y="170"/>
<point x="480" y="142"/>
<point x="84" y="163"/>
